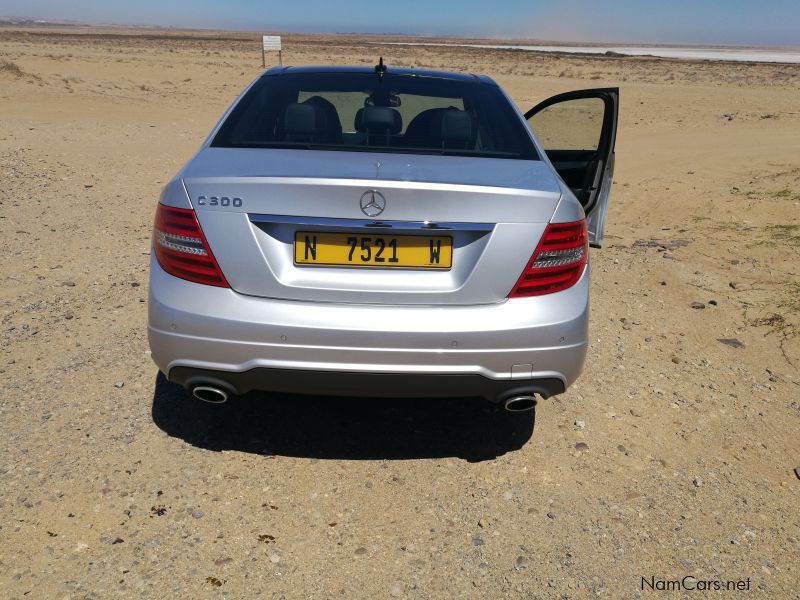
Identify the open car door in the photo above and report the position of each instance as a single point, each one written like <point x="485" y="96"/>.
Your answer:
<point x="577" y="131"/>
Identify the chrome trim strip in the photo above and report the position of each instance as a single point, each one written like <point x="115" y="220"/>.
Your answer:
<point x="370" y="223"/>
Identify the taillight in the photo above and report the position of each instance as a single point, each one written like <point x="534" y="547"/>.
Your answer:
<point x="557" y="263"/>
<point x="182" y="249"/>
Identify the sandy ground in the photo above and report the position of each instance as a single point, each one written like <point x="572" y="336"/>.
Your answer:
<point x="672" y="456"/>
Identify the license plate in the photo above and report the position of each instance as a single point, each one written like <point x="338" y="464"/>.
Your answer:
<point x="370" y="250"/>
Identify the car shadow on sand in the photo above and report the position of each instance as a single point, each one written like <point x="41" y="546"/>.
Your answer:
<point x="342" y="428"/>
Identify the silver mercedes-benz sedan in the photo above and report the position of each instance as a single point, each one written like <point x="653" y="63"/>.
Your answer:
<point x="383" y="232"/>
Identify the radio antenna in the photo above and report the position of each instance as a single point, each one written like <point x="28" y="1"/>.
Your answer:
<point x="380" y="69"/>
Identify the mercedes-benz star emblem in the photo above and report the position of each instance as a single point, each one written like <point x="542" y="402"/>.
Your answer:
<point x="372" y="203"/>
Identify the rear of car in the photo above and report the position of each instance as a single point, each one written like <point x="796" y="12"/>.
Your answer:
<point x="350" y="232"/>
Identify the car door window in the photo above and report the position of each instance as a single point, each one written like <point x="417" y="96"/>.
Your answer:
<point x="577" y="131"/>
<point x="570" y="125"/>
<point x="570" y="133"/>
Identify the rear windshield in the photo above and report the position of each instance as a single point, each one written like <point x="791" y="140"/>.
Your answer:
<point x="362" y="112"/>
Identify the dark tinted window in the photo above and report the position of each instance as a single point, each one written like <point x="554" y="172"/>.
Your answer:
<point x="360" y="112"/>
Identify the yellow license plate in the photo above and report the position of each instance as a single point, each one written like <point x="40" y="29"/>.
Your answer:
<point x="373" y="250"/>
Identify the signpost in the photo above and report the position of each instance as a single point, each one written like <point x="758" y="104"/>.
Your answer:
<point x="271" y="43"/>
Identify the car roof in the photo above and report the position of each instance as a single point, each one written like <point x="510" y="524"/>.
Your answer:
<point x="327" y="70"/>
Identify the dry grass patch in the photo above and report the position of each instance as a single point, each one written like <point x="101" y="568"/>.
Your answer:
<point x="13" y="70"/>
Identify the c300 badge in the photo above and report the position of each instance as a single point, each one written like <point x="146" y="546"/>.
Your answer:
<point x="219" y="201"/>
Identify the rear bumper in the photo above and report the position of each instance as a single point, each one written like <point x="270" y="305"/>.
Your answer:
<point x="381" y="385"/>
<point x="260" y="343"/>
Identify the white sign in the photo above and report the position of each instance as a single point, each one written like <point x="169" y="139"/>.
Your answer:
<point x="271" y="42"/>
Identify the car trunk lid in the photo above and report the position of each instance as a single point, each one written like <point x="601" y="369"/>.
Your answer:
<point x="251" y="203"/>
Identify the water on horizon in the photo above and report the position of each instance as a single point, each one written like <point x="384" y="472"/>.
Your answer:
<point x="777" y="55"/>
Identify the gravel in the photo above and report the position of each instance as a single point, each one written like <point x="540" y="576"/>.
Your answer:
<point x="407" y="481"/>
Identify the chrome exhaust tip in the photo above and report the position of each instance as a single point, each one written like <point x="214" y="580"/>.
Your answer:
<point x="520" y="403"/>
<point x="210" y="394"/>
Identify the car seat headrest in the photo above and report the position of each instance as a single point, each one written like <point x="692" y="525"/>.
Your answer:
<point x="378" y="119"/>
<point x="457" y="126"/>
<point x="300" y="119"/>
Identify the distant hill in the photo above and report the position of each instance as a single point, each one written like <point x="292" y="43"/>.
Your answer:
<point x="28" y="22"/>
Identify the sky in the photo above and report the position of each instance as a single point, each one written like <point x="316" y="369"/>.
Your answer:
<point x="636" y="21"/>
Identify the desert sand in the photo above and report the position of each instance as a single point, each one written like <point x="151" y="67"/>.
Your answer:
<point x="674" y="454"/>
